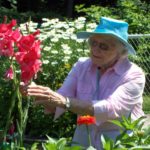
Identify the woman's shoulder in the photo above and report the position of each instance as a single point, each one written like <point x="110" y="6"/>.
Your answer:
<point x="84" y="61"/>
<point x="83" y="64"/>
<point x="129" y="66"/>
<point x="136" y="68"/>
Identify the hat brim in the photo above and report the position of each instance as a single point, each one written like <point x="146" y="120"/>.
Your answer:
<point x="85" y="35"/>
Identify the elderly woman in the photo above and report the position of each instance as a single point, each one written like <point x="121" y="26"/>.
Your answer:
<point x="106" y="85"/>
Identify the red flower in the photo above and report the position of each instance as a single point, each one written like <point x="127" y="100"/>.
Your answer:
<point x="28" y="56"/>
<point x="87" y="120"/>
<point x="6" y="47"/>
<point x="20" y="56"/>
<point x="6" y="28"/>
<point x="29" y="70"/>
<point x="15" y="35"/>
<point x="25" y="49"/>
<point x="27" y="42"/>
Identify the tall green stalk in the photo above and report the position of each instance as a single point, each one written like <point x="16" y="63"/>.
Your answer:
<point x="22" y="116"/>
<point x="11" y="106"/>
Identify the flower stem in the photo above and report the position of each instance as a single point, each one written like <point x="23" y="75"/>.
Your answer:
<point x="12" y="103"/>
<point x="89" y="137"/>
<point x="25" y="117"/>
<point x="11" y="107"/>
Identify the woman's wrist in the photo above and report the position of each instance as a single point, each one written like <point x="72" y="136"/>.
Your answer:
<point x="68" y="103"/>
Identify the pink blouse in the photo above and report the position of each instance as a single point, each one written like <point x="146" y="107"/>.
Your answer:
<point x="120" y="91"/>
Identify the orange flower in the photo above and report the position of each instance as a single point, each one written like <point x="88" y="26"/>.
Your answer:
<point x="87" y="120"/>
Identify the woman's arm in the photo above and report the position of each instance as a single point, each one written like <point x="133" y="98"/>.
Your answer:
<point x="49" y="98"/>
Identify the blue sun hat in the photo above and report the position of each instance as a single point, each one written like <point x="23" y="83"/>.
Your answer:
<point x="113" y="27"/>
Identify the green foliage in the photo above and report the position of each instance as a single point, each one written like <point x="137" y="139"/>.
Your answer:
<point x="60" y="144"/>
<point x="135" y="12"/>
<point x="13" y="4"/>
<point x="40" y="124"/>
<point x="5" y="146"/>
<point x="93" y="12"/>
<point x="133" y="135"/>
<point x="146" y="104"/>
<point x="107" y="143"/>
<point x="6" y="92"/>
<point x="24" y="16"/>
<point x="127" y="123"/>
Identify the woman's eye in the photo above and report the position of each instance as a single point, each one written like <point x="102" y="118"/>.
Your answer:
<point x="103" y="46"/>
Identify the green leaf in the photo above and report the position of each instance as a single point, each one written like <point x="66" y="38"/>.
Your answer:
<point x="49" y="146"/>
<point x="51" y="140"/>
<point x="107" y="143"/>
<point x="120" y="136"/>
<point x="116" y="122"/>
<point x="61" y="143"/>
<point x="139" y="122"/>
<point x="126" y="122"/>
<point x="34" y="146"/>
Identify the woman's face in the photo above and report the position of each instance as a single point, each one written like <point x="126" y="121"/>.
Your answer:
<point x="104" y="50"/>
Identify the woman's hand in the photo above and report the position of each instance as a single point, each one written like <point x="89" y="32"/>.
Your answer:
<point x="23" y="88"/>
<point x="45" y="96"/>
<point x="39" y="99"/>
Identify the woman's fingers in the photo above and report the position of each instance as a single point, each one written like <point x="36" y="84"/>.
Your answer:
<point x="42" y="94"/>
<point x="39" y="91"/>
<point x="23" y="88"/>
<point x="38" y="87"/>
